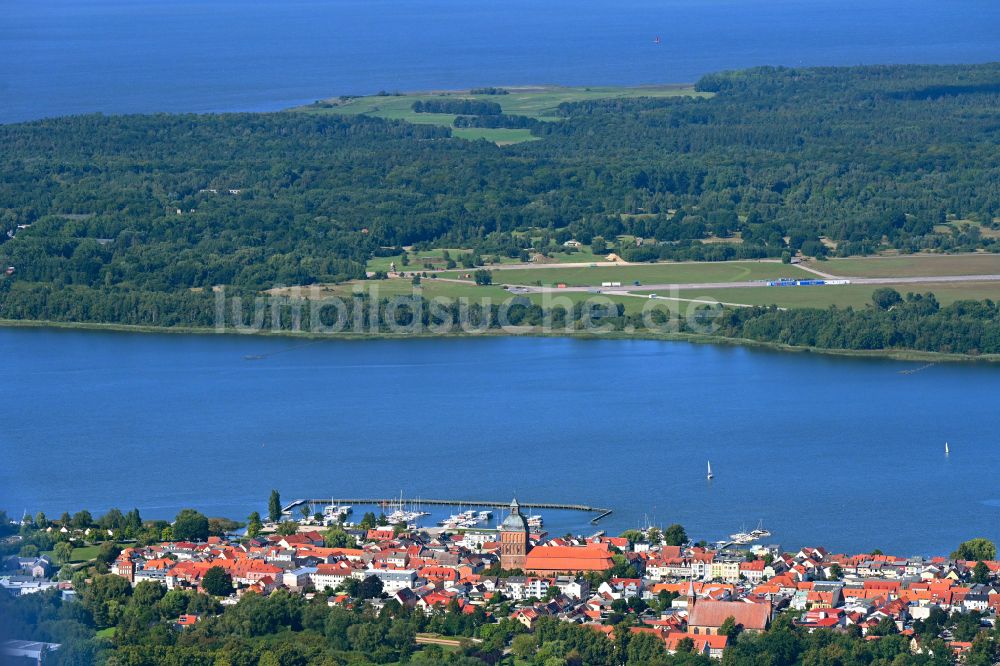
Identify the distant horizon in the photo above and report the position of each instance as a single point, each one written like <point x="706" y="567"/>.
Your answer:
<point x="104" y="56"/>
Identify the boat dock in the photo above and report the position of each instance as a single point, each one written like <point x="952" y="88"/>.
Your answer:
<point x="387" y="501"/>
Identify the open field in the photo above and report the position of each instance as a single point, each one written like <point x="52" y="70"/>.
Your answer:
<point x="672" y="273"/>
<point x="856" y="295"/>
<point x="917" y="265"/>
<point x="400" y="287"/>
<point x="417" y="258"/>
<point x="540" y="102"/>
<point x="430" y="288"/>
<point x="581" y="255"/>
<point x="84" y="554"/>
<point x="434" y="257"/>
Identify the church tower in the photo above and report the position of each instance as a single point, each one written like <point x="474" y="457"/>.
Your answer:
<point x="513" y="539"/>
<point x="692" y="597"/>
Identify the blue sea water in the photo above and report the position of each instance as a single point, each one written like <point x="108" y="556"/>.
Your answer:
<point x="844" y="452"/>
<point x="73" y="56"/>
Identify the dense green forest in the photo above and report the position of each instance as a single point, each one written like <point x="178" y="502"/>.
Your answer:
<point x="117" y="219"/>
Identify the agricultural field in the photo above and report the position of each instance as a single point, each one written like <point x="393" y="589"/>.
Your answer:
<point x="855" y="295"/>
<point x="663" y="273"/>
<point x="540" y="103"/>
<point x="914" y="265"/>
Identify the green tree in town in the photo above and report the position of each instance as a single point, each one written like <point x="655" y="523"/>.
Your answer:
<point x="367" y="521"/>
<point x="370" y="588"/>
<point x="105" y="597"/>
<point x="730" y="628"/>
<point x="82" y="520"/>
<point x="133" y="522"/>
<point x="222" y="526"/>
<point x="63" y="552"/>
<point x="190" y="525"/>
<point x="634" y="536"/>
<point x="108" y="552"/>
<point x="966" y="625"/>
<point x="336" y="537"/>
<point x="980" y="573"/>
<point x="254" y="525"/>
<point x="218" y="582"/>
<point x="288" y="528"/>
<point x="976" y="549"/>
<point x="274" y="507"/>
<point x="523" y="646"/>
<point x="675" y="535"/>
<point x="885" y="627"/>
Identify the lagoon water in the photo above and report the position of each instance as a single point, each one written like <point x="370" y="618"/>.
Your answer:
<point x="844" y="452"/>
<point x="74" y="56"/>
<point x="840" y="451"/>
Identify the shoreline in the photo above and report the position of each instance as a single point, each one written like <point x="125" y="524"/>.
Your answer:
<point x="694" y="338"/>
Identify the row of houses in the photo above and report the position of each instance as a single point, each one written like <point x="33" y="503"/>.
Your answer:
<point x="688" y="593"/>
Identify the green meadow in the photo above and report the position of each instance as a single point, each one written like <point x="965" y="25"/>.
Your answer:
<point x="663" y="273"/>
<point x="854" y="295"/>
<point x="913" y="265"/>
<point x="541" y="103"/>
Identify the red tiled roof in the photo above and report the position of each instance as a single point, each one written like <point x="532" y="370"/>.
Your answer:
<point x="714" y="614"/>
<point x="568" y="558"/>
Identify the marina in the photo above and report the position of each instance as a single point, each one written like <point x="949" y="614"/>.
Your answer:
<point x="467" y="518"/>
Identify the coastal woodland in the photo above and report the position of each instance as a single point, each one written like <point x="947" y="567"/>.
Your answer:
<point x="135" y="219"/>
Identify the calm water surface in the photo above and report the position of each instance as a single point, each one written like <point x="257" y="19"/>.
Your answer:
<point x="843" y="452"/>
<point x="74" y="56"/>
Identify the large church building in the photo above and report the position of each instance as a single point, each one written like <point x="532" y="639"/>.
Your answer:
<point x="516" y="551"/>
<point x="514" y="543"/>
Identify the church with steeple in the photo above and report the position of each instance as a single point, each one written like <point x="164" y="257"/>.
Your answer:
<point x="514" y="544"/>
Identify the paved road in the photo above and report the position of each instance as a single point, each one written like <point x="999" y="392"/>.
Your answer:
<point x="760" y="283"/>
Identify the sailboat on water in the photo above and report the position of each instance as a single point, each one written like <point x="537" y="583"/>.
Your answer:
<point x="710" y="476"/>
<point x="946" y="449"/>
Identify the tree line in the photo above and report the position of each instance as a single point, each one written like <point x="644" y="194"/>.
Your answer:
<point x="464" y="107"/>
<point x="134" y="219"/>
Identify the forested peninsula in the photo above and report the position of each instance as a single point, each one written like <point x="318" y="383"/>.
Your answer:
<point x="138" y="220"/>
